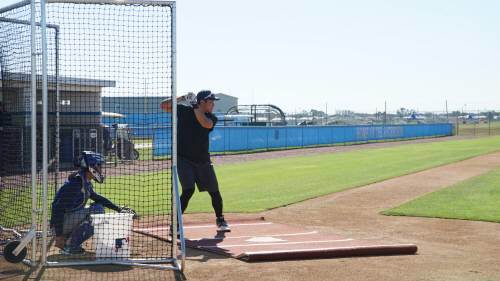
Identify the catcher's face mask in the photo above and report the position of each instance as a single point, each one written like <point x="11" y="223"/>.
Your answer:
<point x="96" y="172"/>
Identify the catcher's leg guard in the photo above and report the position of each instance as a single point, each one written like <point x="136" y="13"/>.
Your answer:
<point x="84" y="230"/>
<point x="80" y="234"/>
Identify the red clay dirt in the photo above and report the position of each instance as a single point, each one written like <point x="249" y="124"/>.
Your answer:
<point x="262" y="240"/>
<point x="448" y="249"/>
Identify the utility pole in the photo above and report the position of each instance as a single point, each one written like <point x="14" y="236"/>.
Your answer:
<point x="447" y="118"/>
<point x="326" y="114"/>
<point x="385" y="112"/>
<point x="490" y="116"/>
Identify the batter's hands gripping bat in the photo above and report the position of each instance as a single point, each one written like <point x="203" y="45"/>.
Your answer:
<point x="187" y="100"/>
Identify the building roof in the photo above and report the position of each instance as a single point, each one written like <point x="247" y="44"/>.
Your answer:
<point x="62" y="80"/>
<point x="225" y="95"/>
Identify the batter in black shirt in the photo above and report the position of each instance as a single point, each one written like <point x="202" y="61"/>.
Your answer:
<point x="195" y="122"/>
<point x="192" y="137"/>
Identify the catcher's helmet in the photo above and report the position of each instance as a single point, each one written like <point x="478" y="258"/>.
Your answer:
<point x="92" y="162"/>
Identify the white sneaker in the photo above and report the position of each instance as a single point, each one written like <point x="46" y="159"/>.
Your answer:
<point x="222" y="225"/>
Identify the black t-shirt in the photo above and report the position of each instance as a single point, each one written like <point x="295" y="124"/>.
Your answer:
<point x="192" y="138"/>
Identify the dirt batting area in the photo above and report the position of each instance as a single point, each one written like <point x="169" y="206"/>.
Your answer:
<point x="448" y="249"/>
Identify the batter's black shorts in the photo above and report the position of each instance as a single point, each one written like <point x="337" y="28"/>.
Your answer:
<point x="201" y="174"/>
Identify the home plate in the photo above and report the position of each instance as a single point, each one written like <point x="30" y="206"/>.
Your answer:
<point x="264" y="239"/>
<point x="261" y="240"/>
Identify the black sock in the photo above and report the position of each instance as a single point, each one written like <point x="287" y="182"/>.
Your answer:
<point x="217" y="203"/>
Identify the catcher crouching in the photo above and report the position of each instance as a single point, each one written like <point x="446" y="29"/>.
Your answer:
<point x="70" y="221"/>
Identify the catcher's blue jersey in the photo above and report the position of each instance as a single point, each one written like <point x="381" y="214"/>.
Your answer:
<point x="72" y="196"/>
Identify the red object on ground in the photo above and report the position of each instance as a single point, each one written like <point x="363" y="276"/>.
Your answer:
<point x="260" y="240"/>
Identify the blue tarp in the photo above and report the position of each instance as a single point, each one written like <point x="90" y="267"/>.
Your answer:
<point x="244" y="138"/>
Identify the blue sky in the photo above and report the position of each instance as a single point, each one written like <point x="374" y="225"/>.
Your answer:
<point x="347" y="54"/>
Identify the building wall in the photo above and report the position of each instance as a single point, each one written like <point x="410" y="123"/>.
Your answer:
<point x="17" y="106"/>
<point x="128" y="105"/>
<point x="80" y="108"/>
<point x="225" y="103"/>
<point x="80" y="124"/>
<point x="77" y="108"/>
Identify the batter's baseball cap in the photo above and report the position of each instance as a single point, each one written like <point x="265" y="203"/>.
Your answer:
<point x="206" y="95"/>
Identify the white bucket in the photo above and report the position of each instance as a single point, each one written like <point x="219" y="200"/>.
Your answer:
<point x="112" y="235"/>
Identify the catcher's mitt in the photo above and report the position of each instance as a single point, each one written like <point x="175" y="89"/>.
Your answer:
<point x="128" y="210"/>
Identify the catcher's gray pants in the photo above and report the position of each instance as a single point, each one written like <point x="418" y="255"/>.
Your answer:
<point x="73" y="219"/>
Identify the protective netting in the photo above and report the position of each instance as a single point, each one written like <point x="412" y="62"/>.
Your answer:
<point x="109" y="66"/>
<point x="15" y="131"/>
<point x="15" y="122"/>
<point x="109" y="53"/>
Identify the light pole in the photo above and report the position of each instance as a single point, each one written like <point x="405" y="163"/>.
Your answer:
<point x="326" y="114"/>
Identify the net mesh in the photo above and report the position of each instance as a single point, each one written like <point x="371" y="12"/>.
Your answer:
<point x="109" y="67"/>
<point x="15" y="122"/>
<point x="115" y="64"/>
<point x="15" y="178"/>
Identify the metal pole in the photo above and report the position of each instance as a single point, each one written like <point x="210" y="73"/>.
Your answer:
<point x="326" y="114"/>
<point x="45" y="104"/>
<point x="116" y="143"/>
<point x="385" y="118"/>
<point x="385" y="112"/>
<point x="34" y="197"/>
<point x="490" y="115"/>
<point x="447" y="118"/>
<point x="17" y="5"/>
<point x="122" y="149"/>
<point x="180" y="222"/>
<point x="176" y="209"/>
<point x="26" y="22"/>
<point x="117" y="2"/>
<point x="58" y="109"/>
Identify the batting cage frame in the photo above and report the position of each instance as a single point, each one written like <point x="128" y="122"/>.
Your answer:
<point x="17" y="249"/>
<point x="67" y="50"/>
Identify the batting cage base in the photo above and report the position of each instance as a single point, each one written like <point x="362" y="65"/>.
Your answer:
<point x="157" y="264"/>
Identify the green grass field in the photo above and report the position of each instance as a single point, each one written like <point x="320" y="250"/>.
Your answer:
<point x="266" y="184"/>
<point x="16" y="205"/>
<point x="481" y="125"/>
<point x="474" y="199"/>
<point x="480" y="129"/>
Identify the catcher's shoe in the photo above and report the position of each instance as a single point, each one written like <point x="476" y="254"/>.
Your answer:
<point x="222" y="224"/>
<point x="70" y="251"/>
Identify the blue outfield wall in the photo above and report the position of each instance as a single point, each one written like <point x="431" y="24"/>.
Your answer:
<point x="241" y="138"/>
<point x="143" y="125"/>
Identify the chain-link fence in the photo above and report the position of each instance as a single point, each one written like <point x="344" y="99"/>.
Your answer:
<point x="467" y="123"/>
